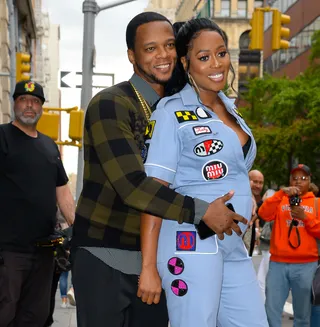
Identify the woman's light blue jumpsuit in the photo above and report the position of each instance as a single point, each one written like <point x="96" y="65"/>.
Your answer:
<point x="209" y="282"/>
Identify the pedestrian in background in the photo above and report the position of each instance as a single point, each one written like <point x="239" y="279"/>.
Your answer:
<point x="32" y="182"/>
<point x="251" y="237"/>
<point x="293" y="248"/>
<point x="116" y="189"/>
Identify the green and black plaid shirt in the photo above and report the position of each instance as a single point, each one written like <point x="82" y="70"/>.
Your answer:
<point x="115" y="187"/>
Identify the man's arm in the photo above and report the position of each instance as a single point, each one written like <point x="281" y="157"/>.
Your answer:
<point x="66" y="203"/>
<point x="268" y="209"/>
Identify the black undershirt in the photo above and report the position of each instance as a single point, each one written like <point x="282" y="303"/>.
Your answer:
<point x="246" y="147"/>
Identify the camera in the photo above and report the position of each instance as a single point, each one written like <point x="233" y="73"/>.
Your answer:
<point x="294" y="200"/>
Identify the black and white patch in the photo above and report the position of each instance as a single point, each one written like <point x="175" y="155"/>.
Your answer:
<point x="208" y="147"/>
<point x="215" y="169"/>
<point x="197" y="130"/>
<point x="201" y="113"/>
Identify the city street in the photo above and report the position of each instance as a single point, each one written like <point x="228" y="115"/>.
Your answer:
<point x="67" y="317"/>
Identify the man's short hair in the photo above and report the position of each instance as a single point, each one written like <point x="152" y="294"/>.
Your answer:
<point x="143" y="18"/>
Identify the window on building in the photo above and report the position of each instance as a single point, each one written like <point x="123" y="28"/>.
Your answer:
<point x="225" y="8"/>
<point x="258" y="3"/>
<point x="282" y="5"/>
<point x="242" y="8"/>
<point x="298" y="44"/>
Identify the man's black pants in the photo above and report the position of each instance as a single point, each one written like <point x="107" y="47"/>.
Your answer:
<point x="106" y="297"/>
<point x="25" y="286"/>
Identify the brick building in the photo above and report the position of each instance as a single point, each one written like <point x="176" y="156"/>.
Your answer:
<point x="305" y="20"/>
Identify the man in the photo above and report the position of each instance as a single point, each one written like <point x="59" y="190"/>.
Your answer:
<point x="294" y="251"/>
<point x="256" y="182"/>
<point x="116" y="189"/>
<point x="32" y="183"/>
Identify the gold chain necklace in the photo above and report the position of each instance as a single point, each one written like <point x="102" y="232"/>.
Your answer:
<point x="143" y="102"/>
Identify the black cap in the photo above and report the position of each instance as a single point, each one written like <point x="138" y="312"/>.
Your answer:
<point x="302" y="167"/>
<point x="29" y="87"/>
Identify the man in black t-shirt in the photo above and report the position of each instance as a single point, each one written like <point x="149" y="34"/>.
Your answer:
<point x="32" y="183"/>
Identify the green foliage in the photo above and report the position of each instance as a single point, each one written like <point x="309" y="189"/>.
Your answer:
<point x="315" y="42"/>
<point x="284" y="115"/>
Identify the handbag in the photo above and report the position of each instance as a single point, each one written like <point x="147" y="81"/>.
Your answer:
<point x="316" y="278"/>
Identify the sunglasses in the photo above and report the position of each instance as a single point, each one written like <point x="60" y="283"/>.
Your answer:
<point x="303" y="178"/>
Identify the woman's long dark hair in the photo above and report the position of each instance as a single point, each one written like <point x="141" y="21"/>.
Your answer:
<point x="185" y="33"/>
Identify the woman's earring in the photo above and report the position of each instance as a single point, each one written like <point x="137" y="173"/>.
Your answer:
<point x="193" y="83"/>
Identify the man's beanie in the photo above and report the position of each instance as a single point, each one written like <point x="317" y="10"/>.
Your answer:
<point x="29" y="87"/>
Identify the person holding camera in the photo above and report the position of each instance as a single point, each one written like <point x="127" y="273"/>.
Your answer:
<point x="293" y="248"/>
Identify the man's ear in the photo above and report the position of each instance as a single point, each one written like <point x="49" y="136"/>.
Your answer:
<point x="131" y="56"/>
<point x="184" y="63"/>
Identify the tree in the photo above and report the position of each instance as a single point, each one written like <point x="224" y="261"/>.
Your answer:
<point x="284" y="115"/>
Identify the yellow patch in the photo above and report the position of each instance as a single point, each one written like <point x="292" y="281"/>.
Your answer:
<point x="149" y="129"/>
<point x="29" y="87"/>
<point x="237" y="112"/>
<point x="185" y="115"/>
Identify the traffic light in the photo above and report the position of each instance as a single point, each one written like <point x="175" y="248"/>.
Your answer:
<point x="23" y="66"/>
<point x="278" y="19"/>
<point x="76" y="125"/>
<point x="257" y="30"/>
<point x="48" y="124"/>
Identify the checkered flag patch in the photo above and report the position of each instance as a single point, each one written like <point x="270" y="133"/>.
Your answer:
<point x="215" y="147"/>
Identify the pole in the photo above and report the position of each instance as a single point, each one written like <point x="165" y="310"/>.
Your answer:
<point x="90" y="9"/>
<point x="113" y="4"/>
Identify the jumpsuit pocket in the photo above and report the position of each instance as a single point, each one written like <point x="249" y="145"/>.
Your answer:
<point x="183" y="239"/>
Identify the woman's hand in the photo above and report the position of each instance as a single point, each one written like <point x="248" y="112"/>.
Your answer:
<point x="149" y="288"/>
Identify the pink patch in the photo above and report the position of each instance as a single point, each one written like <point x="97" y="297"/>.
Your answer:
<point x="175" y="290"/>
<point x="173" y="261"/>
<point x="178" y="270"/>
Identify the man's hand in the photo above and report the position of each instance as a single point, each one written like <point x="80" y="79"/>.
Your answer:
<point x="220" y="219"/>
<point x="149" y="289"/>
<point x="291" y="190"/>
<point x="298" y="212"/>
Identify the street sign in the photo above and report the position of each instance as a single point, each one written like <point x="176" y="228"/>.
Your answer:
<point x="74" y="80"/>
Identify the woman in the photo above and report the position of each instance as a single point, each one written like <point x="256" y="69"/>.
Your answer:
<point x="200" y="146"/>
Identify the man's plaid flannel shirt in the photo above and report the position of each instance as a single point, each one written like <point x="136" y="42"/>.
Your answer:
<point x="115" y="187"/>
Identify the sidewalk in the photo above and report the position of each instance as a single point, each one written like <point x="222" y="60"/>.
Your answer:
<point x="64" y="317"/>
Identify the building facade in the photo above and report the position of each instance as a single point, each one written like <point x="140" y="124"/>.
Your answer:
<point x="305" y="20"/>
<point x="17" y="30"/>
<point x="164" y="7"/>
<point x="24" y="28"/>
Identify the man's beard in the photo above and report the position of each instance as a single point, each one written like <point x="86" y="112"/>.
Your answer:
<point x="150" y="77"/>
<point x="28" y="121"/>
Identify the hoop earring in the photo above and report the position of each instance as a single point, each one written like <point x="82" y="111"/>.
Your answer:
<point x="193" y="83"/>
